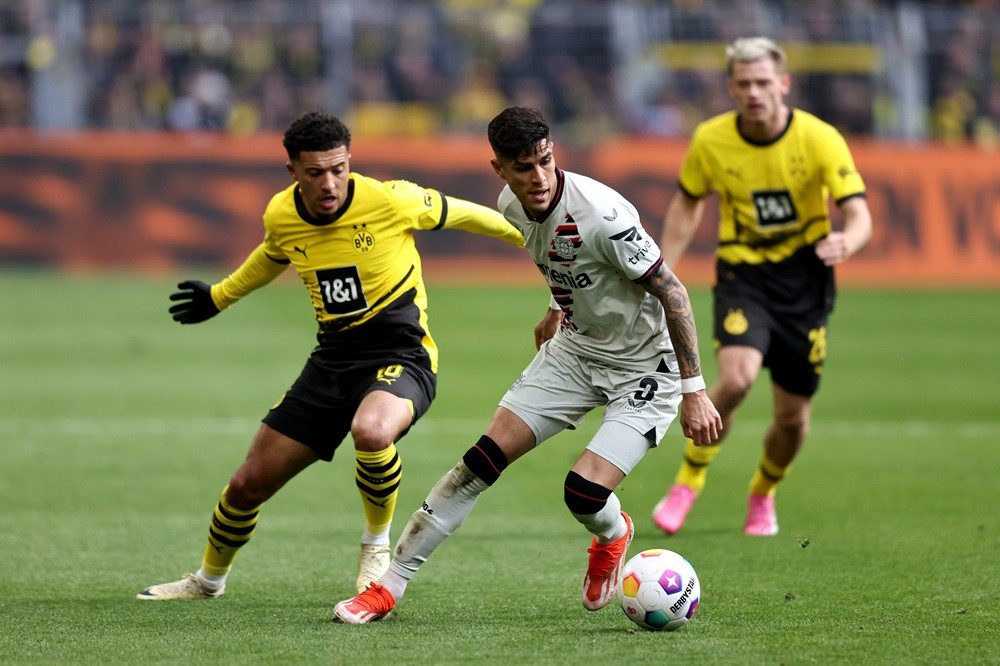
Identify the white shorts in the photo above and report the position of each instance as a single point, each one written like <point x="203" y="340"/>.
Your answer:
<point x="558" y="389"/>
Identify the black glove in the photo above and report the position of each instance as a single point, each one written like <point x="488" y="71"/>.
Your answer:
<point x="196" y="304"/>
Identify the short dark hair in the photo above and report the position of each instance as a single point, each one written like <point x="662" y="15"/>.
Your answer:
<point x="315" y="132"/>
<point x="517" y="131"/>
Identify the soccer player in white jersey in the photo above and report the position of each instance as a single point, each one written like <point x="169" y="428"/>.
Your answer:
<point x="619" y="334"/>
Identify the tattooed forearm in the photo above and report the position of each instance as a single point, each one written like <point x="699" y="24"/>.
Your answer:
<point x="680" y="318"/>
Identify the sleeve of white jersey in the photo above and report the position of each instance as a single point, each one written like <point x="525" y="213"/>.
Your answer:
<point x="625" y="243"/>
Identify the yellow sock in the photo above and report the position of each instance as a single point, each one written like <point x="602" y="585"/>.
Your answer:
<point x="765" y="479"/>
<point x="231" y="529"/>
<point x="377" y="475"/>
<point x="694" y="468"/>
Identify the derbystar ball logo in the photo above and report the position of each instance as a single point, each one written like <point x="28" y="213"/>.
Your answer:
<point x="688" y="589"/>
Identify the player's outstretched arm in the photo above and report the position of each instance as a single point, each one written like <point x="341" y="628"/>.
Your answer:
<point x="477" y="219"/>
<point x="197" y="301"/>
<point x="699" y="417"/>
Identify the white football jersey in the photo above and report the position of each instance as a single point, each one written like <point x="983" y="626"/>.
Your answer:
<point x="593" y="252"/>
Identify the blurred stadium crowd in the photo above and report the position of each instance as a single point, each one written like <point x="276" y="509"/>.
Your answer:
<point x="913" y="70"/>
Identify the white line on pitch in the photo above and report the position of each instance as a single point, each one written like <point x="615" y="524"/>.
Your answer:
<point x="242" y="425"/>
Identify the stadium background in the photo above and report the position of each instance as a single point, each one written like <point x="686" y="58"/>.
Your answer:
<point x="146" y="135"/>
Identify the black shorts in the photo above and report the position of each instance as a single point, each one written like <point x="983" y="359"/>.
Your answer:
<point x="317" y="410"/>
<point x="782" y="311"/>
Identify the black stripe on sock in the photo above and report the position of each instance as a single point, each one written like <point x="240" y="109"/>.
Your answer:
<point x="584" y="497"/>
<point x="696" y="465"/>
<point x="486" y="460"/>
<point x="377" y="480"/>
<point x="770" y="477"/>
<point x="372" y="468"/>
<point x="384" y="492"/>
<point x="236" y="517"/>
<point x="232" y="543"/>
<point x="231" y="529"/>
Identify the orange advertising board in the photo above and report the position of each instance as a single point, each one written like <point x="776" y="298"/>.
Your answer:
<point x="159" y="201"/>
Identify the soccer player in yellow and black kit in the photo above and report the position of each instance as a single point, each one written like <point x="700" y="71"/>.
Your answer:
<point x="774" y="168"/>
<point x="373" y="373"/>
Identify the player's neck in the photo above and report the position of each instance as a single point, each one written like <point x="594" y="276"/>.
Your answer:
<point x="766" y="131"/>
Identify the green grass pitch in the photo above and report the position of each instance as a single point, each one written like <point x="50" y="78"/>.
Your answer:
<point x="118" y="429"/>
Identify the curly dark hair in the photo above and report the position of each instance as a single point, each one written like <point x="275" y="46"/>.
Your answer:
<point x="315" y="132"/>
<point x="517" y="131"/>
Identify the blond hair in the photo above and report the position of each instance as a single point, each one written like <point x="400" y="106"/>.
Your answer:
<point x="752" y="49"/>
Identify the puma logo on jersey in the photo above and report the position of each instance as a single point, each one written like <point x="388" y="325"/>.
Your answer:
<point x="630" y="234"/>
<point x="613" y="217"/>
<point x="301" y="250"/>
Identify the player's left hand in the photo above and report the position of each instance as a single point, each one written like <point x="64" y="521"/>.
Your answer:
<point x="833" y="249"/>
<point x="700" y="419"/>
<point x="547" y="327"/>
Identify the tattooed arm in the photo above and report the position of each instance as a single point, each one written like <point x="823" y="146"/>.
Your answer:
<point x="665" y="286"/>
<point x="699" y="418"/>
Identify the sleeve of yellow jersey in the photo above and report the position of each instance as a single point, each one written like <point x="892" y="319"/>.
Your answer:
<point x="430" y="209"/>
<point x="257" y="270"/>
<point x="839" y="172"/>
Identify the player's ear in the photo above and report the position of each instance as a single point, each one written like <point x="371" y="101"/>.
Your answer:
<point x="731" y="88"/>
<point x="497" y="169"/>
<point x="291" y="170"/>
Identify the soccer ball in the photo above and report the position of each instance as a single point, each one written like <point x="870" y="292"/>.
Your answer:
<point x="659" y="590"/>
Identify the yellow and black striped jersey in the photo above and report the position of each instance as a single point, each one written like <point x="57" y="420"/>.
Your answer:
<point x="773" y="197"/>
<point x="361" y="267"/>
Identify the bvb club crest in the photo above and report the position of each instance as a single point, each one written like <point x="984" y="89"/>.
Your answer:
<point x="363" y="240"/>
<point x="735" y="322"/>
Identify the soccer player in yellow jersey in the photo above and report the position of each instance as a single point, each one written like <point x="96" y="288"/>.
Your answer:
<point x="373" y="373"/>
<point x="774" y="168"/>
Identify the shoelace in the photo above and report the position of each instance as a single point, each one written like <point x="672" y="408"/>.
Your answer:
<point x="602" y="559"/>
<point x="376" y="599"/>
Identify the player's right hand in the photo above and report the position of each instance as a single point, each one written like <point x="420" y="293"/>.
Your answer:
<point x="700" y="419"/>
<point x="195" y="302"/>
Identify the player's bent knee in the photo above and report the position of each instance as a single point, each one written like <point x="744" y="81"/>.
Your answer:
<point x="793" y="425"/>
<point x="372" y="435"/>
<point x="735" y="385"/>
<point x="584" y="497"/>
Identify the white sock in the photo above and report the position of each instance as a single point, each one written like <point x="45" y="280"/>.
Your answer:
<point x="607" y="525"/>
<point x="211" y="583"/>
<point x="443" y="512"/>
<point x="380" y="538"/>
